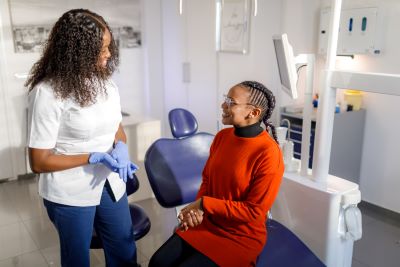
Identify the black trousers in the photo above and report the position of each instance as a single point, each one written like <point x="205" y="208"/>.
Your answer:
<point x="177" y="252"/>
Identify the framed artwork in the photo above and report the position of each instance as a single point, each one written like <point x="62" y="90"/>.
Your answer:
<point x="32" y="21"/>
<point x="233" y="25"/>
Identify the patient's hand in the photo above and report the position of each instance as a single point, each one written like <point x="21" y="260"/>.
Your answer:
<point x="191" y="215"/>
<point x="190" y="218"/>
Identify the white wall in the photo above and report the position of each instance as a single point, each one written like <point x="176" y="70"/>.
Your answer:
<point x="380" y="171"/>
<point x="191" y="38"/>
<point x="153" y="83"/>
<point x="260" y="63"/>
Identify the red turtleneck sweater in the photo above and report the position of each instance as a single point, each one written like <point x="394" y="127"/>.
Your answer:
<point x="240" y="182"/>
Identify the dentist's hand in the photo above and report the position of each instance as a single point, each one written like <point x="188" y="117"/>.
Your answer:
<point x="121" y="155"/>
<point x="105" y="159"/>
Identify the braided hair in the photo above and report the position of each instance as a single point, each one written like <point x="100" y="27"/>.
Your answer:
<point x="263" y="98"/>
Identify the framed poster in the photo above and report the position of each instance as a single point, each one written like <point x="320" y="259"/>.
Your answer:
<point x="233" y="25"/>
<point x="32" y="20"/>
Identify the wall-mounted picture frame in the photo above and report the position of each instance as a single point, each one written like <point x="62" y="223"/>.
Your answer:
<point x="233" y="25"/>
<point x="30" y="32"/>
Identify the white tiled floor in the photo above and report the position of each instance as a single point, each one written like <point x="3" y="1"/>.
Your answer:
<point x="27" y="237"/>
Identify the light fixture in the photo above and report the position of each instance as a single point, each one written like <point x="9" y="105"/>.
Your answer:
<point x="351" y="56"/>
<point x="180" y="7"/>
<point x="255" y="7"/>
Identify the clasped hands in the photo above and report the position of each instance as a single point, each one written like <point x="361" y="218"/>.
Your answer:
<point x="117" y="161"/>
<point x="191" y="215"/>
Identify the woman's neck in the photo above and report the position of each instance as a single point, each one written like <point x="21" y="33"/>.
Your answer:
<point x="249" y="131"/>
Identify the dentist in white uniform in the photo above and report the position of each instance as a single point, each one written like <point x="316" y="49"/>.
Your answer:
<point x="77" y="143"/>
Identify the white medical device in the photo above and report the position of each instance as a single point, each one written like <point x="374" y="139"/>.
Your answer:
<point x="288" y="66"/>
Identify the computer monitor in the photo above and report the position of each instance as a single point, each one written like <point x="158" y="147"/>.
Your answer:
<point x="286" y="64"/>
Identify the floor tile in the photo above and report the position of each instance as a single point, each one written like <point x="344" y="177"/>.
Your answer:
<point x="8" y="210"/>
<point x="32" y="259"/>
<point x="15" y="240"/>
<point x="160" y="230"/>
<point x="42" y="231"/>
<point x="24" y="194"/>
<point x="52" y="255"/>
<point x="140" y="257"/>
<point x="155" y="212"/>
<point x="150" y="243"/>
<point x="356" y="263"/>
<point x="380" y="243"/>
<point x="27" y="237"/>
<point x="366" y="219"/>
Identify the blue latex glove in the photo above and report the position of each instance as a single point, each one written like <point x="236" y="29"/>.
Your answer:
<point x="105" y="159"/>
<point x="121" y="155"/>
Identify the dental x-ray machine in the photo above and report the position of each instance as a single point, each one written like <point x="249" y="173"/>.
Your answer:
<point x="322" y="209"/>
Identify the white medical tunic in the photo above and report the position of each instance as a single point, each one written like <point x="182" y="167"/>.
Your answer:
<point x="67" y="128"/>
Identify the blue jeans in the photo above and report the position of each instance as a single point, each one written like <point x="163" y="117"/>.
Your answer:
<point x="112" y="222"/>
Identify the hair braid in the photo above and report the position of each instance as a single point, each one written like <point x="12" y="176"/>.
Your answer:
<point x="262" y="97"/>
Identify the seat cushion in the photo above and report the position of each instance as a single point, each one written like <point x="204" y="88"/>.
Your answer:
<point x="284" y="248"/>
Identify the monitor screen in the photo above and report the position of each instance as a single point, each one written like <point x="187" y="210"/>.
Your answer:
<point x="286" y="64"/>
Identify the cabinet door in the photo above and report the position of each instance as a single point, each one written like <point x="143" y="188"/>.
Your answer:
<point x="200" y="41"/>
<point x="15" y="67"/>
<point x="359" y="31"/>
<point x="190" y="63"/>
<point x="5" y="145"/>
<point x="6" y="167"/>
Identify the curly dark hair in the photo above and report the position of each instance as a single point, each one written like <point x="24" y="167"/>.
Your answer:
<point x="262" y="97"/>
<point x="69" y="61"/>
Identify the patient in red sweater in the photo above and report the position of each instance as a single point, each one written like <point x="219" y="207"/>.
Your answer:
<point x="225" y="226"/>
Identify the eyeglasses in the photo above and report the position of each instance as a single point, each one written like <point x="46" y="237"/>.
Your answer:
<point x="230" y="102"/>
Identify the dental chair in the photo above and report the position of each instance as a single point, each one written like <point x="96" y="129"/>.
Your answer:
<point x="174" y="165"/>
<point x="140" y="220"/>
<point x="174" y="169"/>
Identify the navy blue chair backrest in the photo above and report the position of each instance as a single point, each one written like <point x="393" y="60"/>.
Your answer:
<point x="182" y="123"/>
<point x="174" y="168"/>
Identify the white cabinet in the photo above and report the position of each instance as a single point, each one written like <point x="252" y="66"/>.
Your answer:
<point x="140" y="134"/>
<point x="347" y="141"/>
<point x="13" y="95"/>
<point x="359" y="33"/>
<point x="6" y="167"/>
<point x="190" y="61"/>
<point x="6" y="170"/>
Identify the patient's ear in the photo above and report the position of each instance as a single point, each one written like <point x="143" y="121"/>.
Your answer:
<point x="255" y="112"/>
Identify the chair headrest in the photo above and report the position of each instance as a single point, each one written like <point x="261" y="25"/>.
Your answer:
<point x="182" y="123"/>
